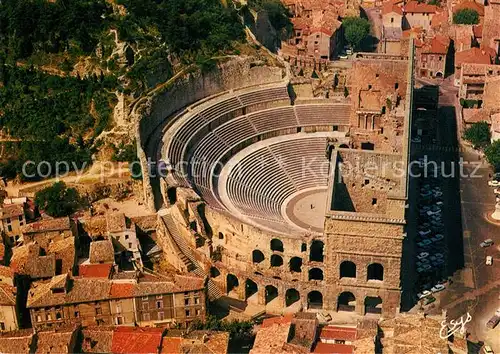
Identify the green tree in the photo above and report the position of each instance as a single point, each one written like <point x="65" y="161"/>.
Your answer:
<point x="58" y="200"/>
<point x="492" y="153"/>
<point x="355" y="30"/>
<point x="466" y="17"/>
<point x="478" y="134"/>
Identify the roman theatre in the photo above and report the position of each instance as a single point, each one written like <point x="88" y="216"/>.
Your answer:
<point x="284" y="198"/>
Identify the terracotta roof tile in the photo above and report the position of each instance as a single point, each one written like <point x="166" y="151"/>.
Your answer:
<point x="327" y="348"/>
<point x="56" y="341"/>
<point x="11" y="211"/>
<point x="6" y="272"/>
<point x="136" y="340"/>
<point x="58" y="224"/>
<point x="473" y="55"/>
<point x="336" y="332"/>
<point x="27" y="260"/>
<point x="419" y="7"/>
<point x="116" y="222"/>
<point x="97" y="339"/>
<point x="440" y="18"/>
<point x="389" y="7"/>
<point x="478" y="31"/>
<point x="95" y="270"/>
<point x="16" y="342"/>
<point x="101" y="251"/>
<point x="2" y="251"/>
<point x="7" y="295"/>
<point x="475" y="115"/>
<point x="470" y="5"/>
<point x="121" y="290"/>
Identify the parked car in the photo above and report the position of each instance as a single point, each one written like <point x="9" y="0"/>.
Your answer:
<point x="493" y="183"/>
<point x="438" y="255"/>
<point x="437" y="288"/>
<point x="426" y="194"/>
<point x="424" y="233"/>
<point x="487" y="350"/>
<point x="438" y="194"/>
<point x="437" y="237"/>
<point x="424" y="267"/>
<point x="423" y="294"/>
<point x="493" y="321"/>
<point x="486" y="243"/>
<point x="416" y="139"/>
<point x="423" y="255"/>
<point x="489" y="260"/>
<point x="430" y="212"/>
<point x="424" y="243"/>
<point x="429" y="300"/>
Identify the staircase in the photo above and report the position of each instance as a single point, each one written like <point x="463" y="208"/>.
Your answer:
<point x="187" y="257"/>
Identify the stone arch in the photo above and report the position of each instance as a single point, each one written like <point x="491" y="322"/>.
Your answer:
<point x="257" y="256"/>
<point x="346" y="302"/>
<point x="314" y="300"/>
<point x="295" y="264"/>
<point x="251" y="288"/>
<point x="276" y="260"/>
<point x="271" y="293"/>
<point x="344" y="146"/>
<point x="347" y="269"/>
<point x="214" y="272"/>
<point x="373" y="304"/>
<point x="316" y="251"/>
<point x="277" y="245"/>
<point x="231" y="282"/>
<point x="367" y="146"/>
<point x="375" y="272"/>
<point x="291" y="297"/>
<point x="439" y="74"/>
<point x="221" y="236"/>
<point x="315" y="274"/>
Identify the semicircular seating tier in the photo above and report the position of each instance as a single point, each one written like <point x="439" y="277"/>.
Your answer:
<point x="204" y="137"/>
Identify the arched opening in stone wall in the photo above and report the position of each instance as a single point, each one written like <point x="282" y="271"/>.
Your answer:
<point x="344" y="146"/>
<point x="271" y="293"/>
<point x="346" y="302"/>
<point x="373" y="304"/>
<point x="257" y="256"/>
<point x="315" y="274"/>
<point x="367" y="146"/>
<point x="276" y="245"/>
<point x="276" y="261"/>
<point x="347" y="269"/>
<point x="303" y="247"/>
<point x="295" y="264"/>
<point x="221" y="236"/>
<point x="291" y="297"/>
<point x="316" y="251"/>
<point x="172" y="195"/>
<point x="251" y="288"/>
<point x="315" y="300"/>
<point x="375" y="272"/>
<point x="214" y="272"/>
<point x="231" y="282"/>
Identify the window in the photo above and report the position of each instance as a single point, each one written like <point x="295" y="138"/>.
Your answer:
<point x="98" y="311"/>
<point x="8" y="220"/>
<point x="188" y="313"/>
<point x="77" y="314"/>
<point x="20" y="218"/>
<point x="126" y="237"/>
<point x="197" y="301"/>
<point x="186" y="293"/>
<point x="9" y="227"/>
<point x="374" y="201"/>
<point x="119" y="320"/>
<point x="440" y="58"/>
<point x="145" y="316"/>
<point x="159" y="297"/>
<point x="159" y="304"/>
<point x="130" y="245"/>
<point x="198" y="312"/>
<point x="49" y="317"/>
<point x="161" y="316"/>
<point x="2" y="326"/>
<point x="58" y="316"/>
<point x="392" y="19"/>
<point x="369" y="87"/>
<point x="144" y="298"/>
<point x="38" y="318"/>
<point x="396" y="85"/>
<point x="186" y="301"/>
<point x="145" y="306"/>
<point x="118" y="308"/>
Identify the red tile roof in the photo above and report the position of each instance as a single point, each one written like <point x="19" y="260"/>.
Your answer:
<point x="437" y="45"/>
<point x="439" y="18"/>
<point x="326" y="31"/>
<point x="419" y="7"/>
<point x="171" y="345"/>
<point x="470" y="5"/>
<point x="136" y="340"/>
<point x="341" y="333"/>
<point x="121" y="290"/>
<point x="95" y="270"/>
<point x="390" y="7"/>
<point x="473" y="55"/>
<point x="333" y="348"/>
<point x="268" y="322"/>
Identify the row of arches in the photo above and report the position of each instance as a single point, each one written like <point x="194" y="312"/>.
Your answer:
<point x="316" y="249"/>
<point x="375" y="271"/>
<point x="346" y="300"/>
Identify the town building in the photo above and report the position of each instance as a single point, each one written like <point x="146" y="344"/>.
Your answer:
<point x="12" y="218"/>
<point x="473" y="77"/>
<point x="431" y="57"/>
<point x="418" y="14"/>
<point x="473" y="55"/>
<point x="145" y="301"/>
<point x="9" y="320"/>
<point x="45" y="231"/>
<point x="495" y="127"/>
